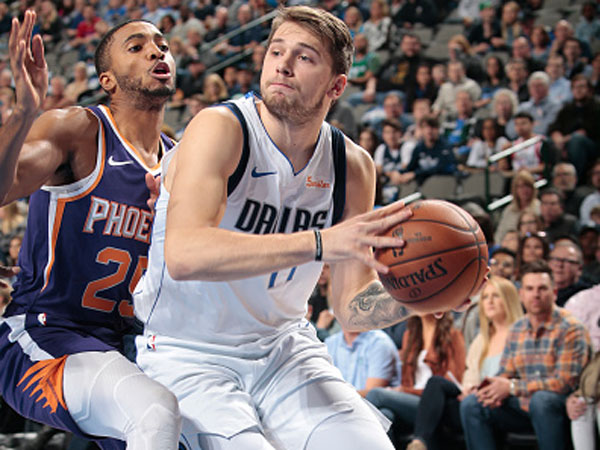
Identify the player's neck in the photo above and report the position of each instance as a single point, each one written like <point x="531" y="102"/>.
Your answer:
<point x="140" y="127"/>
<point x="296" y="141"/>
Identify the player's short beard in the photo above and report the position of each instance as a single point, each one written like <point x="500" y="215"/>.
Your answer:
<point x="291" y="110"/>
<point x="145" y="98"/>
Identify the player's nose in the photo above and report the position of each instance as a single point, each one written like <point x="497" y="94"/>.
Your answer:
<point x="155" y="52"/>
<point x="284" y="65"/>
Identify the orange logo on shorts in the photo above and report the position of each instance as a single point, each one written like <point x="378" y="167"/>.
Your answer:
<point x="318" y="184"/>
<point x="46" y="377"/>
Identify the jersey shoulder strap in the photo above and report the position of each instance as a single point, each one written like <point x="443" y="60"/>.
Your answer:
<point x="236" y="176"/>
<point x="338" y="148"/>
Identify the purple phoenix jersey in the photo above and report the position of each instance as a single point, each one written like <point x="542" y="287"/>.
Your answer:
<point x="85" y="249"/>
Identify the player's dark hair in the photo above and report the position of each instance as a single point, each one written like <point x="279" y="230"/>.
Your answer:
<point x="539" y="266"/>
<point x="325" y="26"/>
<point x="102" y="54"/>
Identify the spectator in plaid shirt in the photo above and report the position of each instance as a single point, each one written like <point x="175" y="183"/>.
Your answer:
<point x="544" y="355"/>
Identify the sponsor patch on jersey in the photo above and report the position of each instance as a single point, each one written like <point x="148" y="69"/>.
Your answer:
<point x="317" y="183"/>
<point x="42" y="318"/>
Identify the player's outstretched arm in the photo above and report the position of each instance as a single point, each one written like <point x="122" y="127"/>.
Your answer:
<point x="31" y="82"/>
<point x="196" y="249"/>
<point x="35" y="150"/>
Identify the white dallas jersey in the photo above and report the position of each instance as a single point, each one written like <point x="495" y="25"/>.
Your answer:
<point x="264" y="196"/>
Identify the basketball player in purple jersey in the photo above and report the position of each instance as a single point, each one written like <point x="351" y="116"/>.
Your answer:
<point x="86" y="242"/>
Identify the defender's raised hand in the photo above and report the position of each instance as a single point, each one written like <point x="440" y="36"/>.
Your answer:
<point x="28" y="65"/>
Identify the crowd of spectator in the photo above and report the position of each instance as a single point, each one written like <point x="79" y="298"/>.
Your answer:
<point x="505" y="79"/>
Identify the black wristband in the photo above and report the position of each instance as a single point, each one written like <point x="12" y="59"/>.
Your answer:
<point x="318" y="246"/>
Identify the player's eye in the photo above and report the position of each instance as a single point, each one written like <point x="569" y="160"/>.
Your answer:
<point x="134" y="48"/>
<point x="164" y="47"/>
<point x="305" y="58"/>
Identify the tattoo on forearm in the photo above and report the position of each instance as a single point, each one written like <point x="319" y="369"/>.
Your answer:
<point x="375" y="308"/>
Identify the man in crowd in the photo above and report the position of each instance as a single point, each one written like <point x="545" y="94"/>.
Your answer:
<point x="544" y="355"/>
<point x="367" y="360"/>
<point x="445" y="103"/>
<point x="431" y="156"/>
<point x="566" y="262"/>
<point x="556" y="221"/>
<point x="564" y="178"/>
<point x="540" y="105"/>
<point x="575" y="132"/>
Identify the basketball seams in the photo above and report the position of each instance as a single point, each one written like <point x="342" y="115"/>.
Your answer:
<point x="442" y="289"/>
<point x="436" y="225"/>
<point x="475" y="282"/>
<point x="441" y="252"/>
<point x="439" y="222"/>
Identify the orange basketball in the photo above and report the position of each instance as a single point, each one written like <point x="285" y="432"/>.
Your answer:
<point x="443" y="262"/>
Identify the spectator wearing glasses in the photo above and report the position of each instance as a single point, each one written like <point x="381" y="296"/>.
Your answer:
<point x="556" y="221"/>
<point x="566" y="262"/>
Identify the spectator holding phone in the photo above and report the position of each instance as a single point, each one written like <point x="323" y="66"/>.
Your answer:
<point x="499" y="308"/>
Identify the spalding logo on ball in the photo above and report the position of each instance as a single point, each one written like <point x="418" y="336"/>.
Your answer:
<point x="443" y="262"/>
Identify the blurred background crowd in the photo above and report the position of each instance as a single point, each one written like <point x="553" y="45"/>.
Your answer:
<point x="493" y="105"/>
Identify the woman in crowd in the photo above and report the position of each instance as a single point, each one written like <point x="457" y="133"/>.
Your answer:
<point x="499" y="308"/>
<point x="532" y="247"/>
<point x="459" y="49"/>
<point x="368" y="140"/>
<point x="524" y="195"/>
<point x="490" y="141"/>
<point x="494" y="79"/>
<point x="379" y="28"/>
<point x="529" y="223"/>
<point x="353" y="18"/>
<point x="430" y="347"/>
<point x="215" y="90"/>
<point x="504" y="106"/>
<point x="540" y="41"/>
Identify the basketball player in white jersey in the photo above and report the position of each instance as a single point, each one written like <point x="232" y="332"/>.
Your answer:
<point x="255" y="198"/>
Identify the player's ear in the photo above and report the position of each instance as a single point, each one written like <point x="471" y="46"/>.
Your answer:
<point x="107" y="81"/>
<point x="339" y="85"/>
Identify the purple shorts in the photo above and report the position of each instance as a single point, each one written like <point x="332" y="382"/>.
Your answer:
<point x="31" y="379"/>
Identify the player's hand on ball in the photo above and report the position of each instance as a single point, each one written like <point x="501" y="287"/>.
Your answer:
<point x="354" y="238"/>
